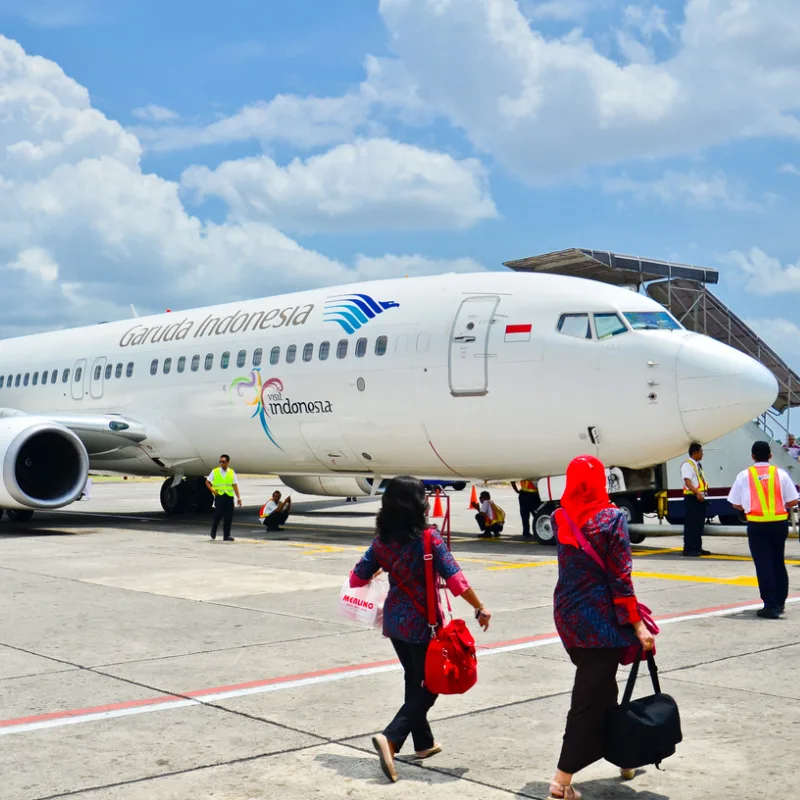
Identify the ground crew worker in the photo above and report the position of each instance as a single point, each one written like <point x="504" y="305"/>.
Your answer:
<point x="765" y="494"/>
<point x="222" y="484"/>
<point x="490" y="516"/>
<point x="694" y="503"/>
<point x="529" y="501"/>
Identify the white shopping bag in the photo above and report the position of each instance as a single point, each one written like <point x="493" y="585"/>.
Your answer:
<point x="364" y="604"/>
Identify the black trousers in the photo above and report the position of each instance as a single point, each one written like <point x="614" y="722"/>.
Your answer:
<point x="276" y="519"/>
<point x="494" y="529"/>
<point x="593" y="694"/>
<point x="528" y="503"/>
<point x="223" y="510"/>
<point x="694" y="523"/>
<point x="413" y="714"/>
<point x="767" y="542"/>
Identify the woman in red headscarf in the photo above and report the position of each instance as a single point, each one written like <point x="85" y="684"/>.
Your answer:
<point x="596" y="613"/>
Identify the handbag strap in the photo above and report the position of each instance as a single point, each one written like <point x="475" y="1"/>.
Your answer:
<point x="430" y="590"/>
<point x="651" y="665"/>
<point x="584" y="543"/>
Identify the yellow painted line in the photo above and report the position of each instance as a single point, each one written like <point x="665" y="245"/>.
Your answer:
<point x="523" y="566"/>
<point x="656" y="552"/>
<point x="669" y="576"/>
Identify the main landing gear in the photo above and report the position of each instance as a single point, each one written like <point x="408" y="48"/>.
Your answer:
<point x="17" y="514"/>
<point x="191" y="494"/>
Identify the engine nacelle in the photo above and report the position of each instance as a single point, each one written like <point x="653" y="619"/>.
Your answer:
<point x="329" y="486"/>
<point x="42" y="464"/>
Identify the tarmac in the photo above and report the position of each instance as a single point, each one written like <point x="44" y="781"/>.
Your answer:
<point x="139" y="659"/>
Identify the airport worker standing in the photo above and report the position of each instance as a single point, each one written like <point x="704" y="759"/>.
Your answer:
<point x="529" y="501"/>
<point x="766" y="493"/>
<point x="399" y="549"/>
<point x="222" y="483"/>
<point x="596" y="614"/>
<point x="694" y="502"/>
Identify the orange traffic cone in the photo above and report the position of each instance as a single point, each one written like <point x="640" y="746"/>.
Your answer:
<point x="437" y="507"/>
<point x="474" y="499"/>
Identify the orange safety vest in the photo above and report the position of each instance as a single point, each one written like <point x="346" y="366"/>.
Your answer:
<point x="766" y="506"/>
<point x="701" y="477"/>
<point x="528" y="486"/>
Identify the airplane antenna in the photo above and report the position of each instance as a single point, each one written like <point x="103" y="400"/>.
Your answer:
<point x="134" y="312"/>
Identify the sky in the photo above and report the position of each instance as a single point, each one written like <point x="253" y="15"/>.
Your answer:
<point x="176" y="154"/>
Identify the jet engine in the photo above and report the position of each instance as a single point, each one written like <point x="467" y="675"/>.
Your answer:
<point x="42" y="464"/>
<point x="329" y="486"/>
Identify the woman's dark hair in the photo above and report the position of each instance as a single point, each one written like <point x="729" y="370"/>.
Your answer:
<point x="403" y="507"/>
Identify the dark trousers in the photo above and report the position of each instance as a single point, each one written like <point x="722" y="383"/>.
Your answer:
<point x="223" y="510"/>
<point x="694" y="523"/>
<point x="767" y="542"/>
<point x="276" y="519"/>
<point x="493" y="529"/>
<point x="413" y="714"/>
<point x="593" y="694"/>
<point x="528" y="503"/>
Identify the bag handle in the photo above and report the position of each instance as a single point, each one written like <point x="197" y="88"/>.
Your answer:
<point x="430" y="591"/>
<point x="651" y="665"/>
<point x="584" y="543"/>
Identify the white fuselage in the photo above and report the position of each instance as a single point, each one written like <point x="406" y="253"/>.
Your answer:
<point x="456" y="392"/>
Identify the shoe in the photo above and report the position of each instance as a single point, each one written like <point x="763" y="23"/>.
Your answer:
<point x="782" y="609"/>
<point x="527" y="536"/>
<point x="213" y="535"/>
<point x="384" y="750"/>
<point x="627" y="774"/>
<point x="274" y="530"/>
<point x="768" y="613"/>
<point x="692" y="553"/>
<point x="431" y="751"/>
<point x="496" y="535"/>
<point x="563" y="791"/>
<point x="485" y="535"/>
<point x="228" y="539"/>
<point x="705" y="552"/>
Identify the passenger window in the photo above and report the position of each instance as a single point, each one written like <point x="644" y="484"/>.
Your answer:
<point x="181" y="363"/>
<point x="27" y="379"/>
<point x="576" y="325"/>
<point x="18" y="380"/>
<point x="380" y="345"/>
<point x="308" y="352"/>
<point x="423" y="342"/>
<point x="35" y="378"/>
<point x="257" y="356"/>
<point x="98" y="371"/>
<point x="129" y="370"/>
<point x="324" y="351"/>
<point x="118" y="371"/>
<point x="109" y="370"/>
<point x="3" y="380"/>
<point x="54" y="376"/>
<point x="167" y="365"/>
<point x="241" y="359"/>
<point x="209" y="361"/>
<point x="195" y="363"/>
<point x="9" y="381"/>
<point x="608" y="325"/>
<point x="275" y="356"/>
<point x="224" y="361"/>
<point x="361" y="348"/>
<point x="79" y="374"/>
<point x="291" y="353"/>
<point x="45" y="375"/>
<point x="154" y="366"/>
<point x="65" y="376"/>
<point x="341" y="349"/>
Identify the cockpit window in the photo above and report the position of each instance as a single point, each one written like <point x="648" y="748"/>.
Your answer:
<point x="608" y="325"/>
<point x="575" y="325"/>
<point x="651" y="321"/>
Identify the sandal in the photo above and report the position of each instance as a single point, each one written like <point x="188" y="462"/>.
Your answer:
<point x="567" y="791"/>
<point x="431" y="751"/>
<point x="381" y="744"/>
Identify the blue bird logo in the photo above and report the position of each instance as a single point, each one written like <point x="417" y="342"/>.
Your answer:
<point x="352" y="311"/>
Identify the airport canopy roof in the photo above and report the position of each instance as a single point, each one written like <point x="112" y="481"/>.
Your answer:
<point x="682" y="289"/>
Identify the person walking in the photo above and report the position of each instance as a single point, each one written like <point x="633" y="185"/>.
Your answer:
<point x="596" y="614"/>
<point x="398" y="550"/>
<point x="694" y="503"/>
<point x="766" y="493"/>
<point x="222" y="483"/>
<point x="529" y="501"/>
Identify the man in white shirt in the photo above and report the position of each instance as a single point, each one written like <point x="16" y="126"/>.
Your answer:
<point x="222" y="483"/>
<point x="694" y="503"/>
<point x="275" y="512"/>
<point x="766" y="494"/>
<point x="488" y="519"/>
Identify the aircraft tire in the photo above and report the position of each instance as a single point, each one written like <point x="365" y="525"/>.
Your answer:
<point x="201" y="501"/>
<point x="459" y="486"/>
<point x="543" y="530"/>
<point x="19" y="515"/>
<point x="173" y="498"/>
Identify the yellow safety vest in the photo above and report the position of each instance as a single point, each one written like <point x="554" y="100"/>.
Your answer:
<point x="500" y="515"/>
<point x="223" y="481"/>
<point x="699" y="474"/>
<point x="528" y="486"/>
<point x="766" y="506"/>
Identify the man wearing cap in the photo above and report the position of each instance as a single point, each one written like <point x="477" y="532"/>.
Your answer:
<point x="766" y="493"/>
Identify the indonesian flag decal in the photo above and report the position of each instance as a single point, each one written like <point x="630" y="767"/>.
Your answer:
<point x="518" y="333"/>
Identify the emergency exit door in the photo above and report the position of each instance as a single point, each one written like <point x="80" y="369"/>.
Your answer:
<point x="469" y="342"/>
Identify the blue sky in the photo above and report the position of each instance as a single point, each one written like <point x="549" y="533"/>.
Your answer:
<point x="309" y="143"/>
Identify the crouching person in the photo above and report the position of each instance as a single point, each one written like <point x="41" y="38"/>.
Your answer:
<point x="275" y="512"/>
<point x="490" y="516"/>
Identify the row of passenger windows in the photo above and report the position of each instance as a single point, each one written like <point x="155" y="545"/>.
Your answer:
<point x="611" y="324"/>
<point x="51" y="376"/>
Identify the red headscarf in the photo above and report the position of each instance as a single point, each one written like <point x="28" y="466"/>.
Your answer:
<point x="586" y="493"/>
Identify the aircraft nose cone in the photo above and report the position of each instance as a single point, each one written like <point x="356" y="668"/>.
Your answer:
<point x="719" y="388"/>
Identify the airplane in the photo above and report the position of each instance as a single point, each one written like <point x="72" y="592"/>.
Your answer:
<point x="463" y="376"/>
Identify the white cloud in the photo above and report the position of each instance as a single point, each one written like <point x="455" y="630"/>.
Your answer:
<point x="647" y="21"/>
<point x="154" y="113"/>
<point x="55" y="13"/>
<point x="763" y="274"/>
<point x="556" y="10"/>
<point x="550" y="107"/>
<point x="390" y="266"/>
<point x="782" y="335"/>
<point x="372" y="183"/>
<point x="697" y="191"/>
<point x="789" y="169"/>
<point x="38" y="262"/>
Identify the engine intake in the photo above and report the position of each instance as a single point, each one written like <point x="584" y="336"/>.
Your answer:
<point x="44" y="465"/>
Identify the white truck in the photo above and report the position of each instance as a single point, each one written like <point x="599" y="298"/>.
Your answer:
<point x="659" y="490"/>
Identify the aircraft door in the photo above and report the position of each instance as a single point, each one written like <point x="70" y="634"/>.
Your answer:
<point x="96" y="378"/>
<point x="78" y="377"/>
<point x="469" y="340"/>
<point x="325" y="440"/>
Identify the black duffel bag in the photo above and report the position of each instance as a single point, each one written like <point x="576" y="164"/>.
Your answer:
<point x="644" y="731"/>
